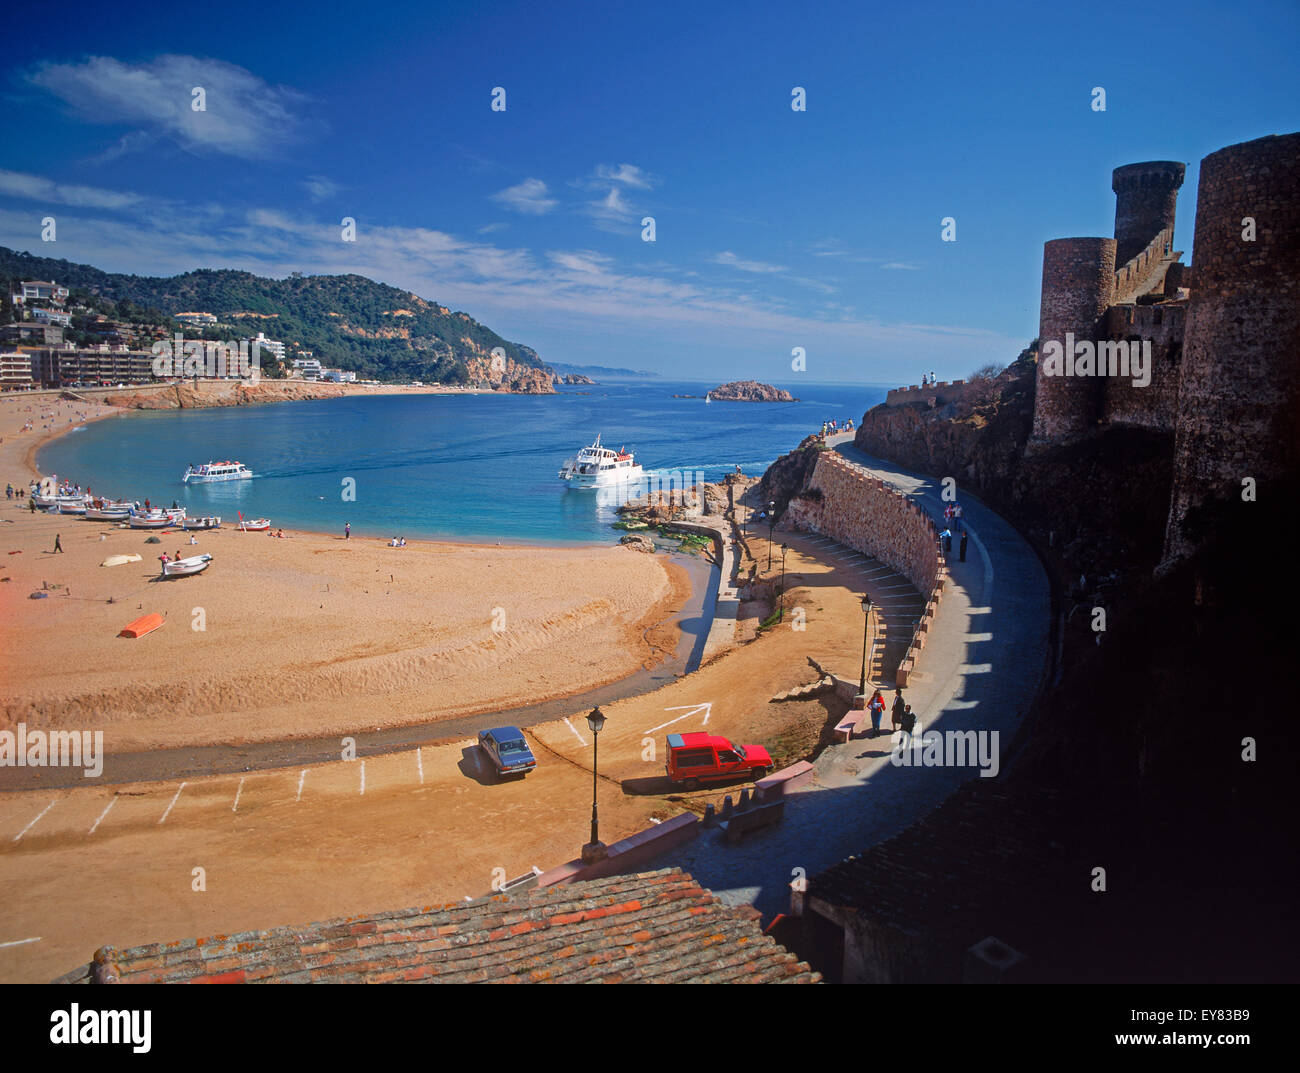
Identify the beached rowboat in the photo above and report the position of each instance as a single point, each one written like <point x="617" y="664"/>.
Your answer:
<point x="211" y="522"/>
<point x="254" y="525"/>
<point x="153" y="520"/>
<point x="109" y="512"/>
<point x="195" y="564"/>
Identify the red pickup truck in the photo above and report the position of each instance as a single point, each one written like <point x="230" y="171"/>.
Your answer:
<point x="699" y="757"/>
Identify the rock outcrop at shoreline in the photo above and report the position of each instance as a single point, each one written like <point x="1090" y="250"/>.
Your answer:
<point x="573" y="378"/>
<point x="509" y="375"/>
<point x="750" y="391"/>
<point x="189" y="396"/>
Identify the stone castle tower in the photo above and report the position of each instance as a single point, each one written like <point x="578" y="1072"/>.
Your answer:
<point x="1224" y="333"/>
<point x="1238" y="411"/>
<point x="1094" y="288"/>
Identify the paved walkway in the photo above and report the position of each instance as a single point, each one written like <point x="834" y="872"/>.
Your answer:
<point x="979" y="671"/>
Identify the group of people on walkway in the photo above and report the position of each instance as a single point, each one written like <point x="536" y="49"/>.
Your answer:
<point x="902" y="716"/>
<point x="952" y="516"/>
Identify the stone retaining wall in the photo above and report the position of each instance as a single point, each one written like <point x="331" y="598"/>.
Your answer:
<point x="866" y="514"/>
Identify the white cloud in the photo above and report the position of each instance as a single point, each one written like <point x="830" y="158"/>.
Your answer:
<point x="319" y="188"/>
<point x="902" y="265"/>
<point x="732" y="261"/>
<point x="625" y="174"/>
<point x="529" y="197"/>
<point x="513" y="289"/>
<point x="37" y="188"/>
<point x="244" y="115"/>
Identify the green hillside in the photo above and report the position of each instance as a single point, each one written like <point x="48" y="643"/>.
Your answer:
<point x="347" y="321"/>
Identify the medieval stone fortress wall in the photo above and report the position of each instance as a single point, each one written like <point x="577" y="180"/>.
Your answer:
<point x="1223" y="340"/>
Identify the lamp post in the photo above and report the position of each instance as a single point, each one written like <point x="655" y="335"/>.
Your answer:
<point x="866" y="620"/>
<point x="595" y="849"/>
<point x="771" y="525"/>
<point x="780" y="600"/>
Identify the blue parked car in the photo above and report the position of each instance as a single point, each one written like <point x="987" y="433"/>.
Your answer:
<point x="508" y="750"/>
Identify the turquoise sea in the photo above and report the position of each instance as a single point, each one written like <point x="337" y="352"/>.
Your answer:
<point x="452" y="467"/>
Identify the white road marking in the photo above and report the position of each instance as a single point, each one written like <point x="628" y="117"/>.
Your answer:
<point x="103" y="814"/>
<point x="235" y="806"/>
<point x="33" y="822"/>
<point x="575" y="732"/>
<point x="21" y="942"/>
<point x="363" y="776"/>
<point x="302" y="775"/>
<point x="173" y="802"/>
<point x="695" y="709"/>
<point x="419" y="765"/>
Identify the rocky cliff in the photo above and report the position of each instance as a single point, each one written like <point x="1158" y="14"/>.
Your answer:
<point x="510" y="375"/>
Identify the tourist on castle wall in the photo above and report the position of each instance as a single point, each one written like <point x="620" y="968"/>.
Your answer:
<point x="962" y="548"/>
<point x="896" y="716"/>
<point x="946" y="536"/>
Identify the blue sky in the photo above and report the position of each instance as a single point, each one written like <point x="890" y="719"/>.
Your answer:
<point x="774" y="228"/>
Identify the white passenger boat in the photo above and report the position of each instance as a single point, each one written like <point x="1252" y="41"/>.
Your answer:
<point x="596" y="466"/>
<point x="195" y="564"/>
<point x="212" y="522"/>
<point x="254" y="525"/>
<point x="216" y="471"/>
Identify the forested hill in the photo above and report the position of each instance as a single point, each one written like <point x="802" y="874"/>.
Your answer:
<point x="347" y="321"/>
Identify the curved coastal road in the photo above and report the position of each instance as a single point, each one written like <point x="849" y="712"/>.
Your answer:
<point x="980" y="670"/>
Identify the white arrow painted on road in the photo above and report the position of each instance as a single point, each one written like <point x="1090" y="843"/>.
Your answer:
<point x="695" y="709"/>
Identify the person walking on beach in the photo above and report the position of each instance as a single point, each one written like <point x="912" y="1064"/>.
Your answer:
<point x="347" y="531"/>
<point x="962" y="547"/>
<point x="896" y="716"/>
<point x="58" y="544"/>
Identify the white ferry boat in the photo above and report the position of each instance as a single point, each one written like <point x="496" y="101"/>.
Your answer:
<point x="596" y="466"/>
<point x="216" y="471"/>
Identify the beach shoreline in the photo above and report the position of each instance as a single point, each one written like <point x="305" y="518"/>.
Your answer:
<point x="344" y="643"/>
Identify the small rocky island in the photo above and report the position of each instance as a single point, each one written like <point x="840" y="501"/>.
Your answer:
<point x="573" y="378"/>
<point x="750" y="391"/>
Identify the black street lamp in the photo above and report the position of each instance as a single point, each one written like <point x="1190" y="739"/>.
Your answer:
<point x="595" y="849"/>
<point x="771" y="525"/>
<point x="866" y="620"/>
<point x="780" y="600"/>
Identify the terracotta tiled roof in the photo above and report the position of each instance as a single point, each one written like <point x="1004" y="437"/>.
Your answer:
<point x="653" y="927"/>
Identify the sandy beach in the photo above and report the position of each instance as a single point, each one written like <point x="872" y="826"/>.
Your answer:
<point x="306" y="635"/>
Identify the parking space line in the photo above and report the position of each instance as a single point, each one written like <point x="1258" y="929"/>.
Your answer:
<point x="102" y="815"/>
<point x="419" y="764"/>
<point x="173" y="802"/>
<point x="302" y="775"/>
<point x="235" y="806"/>
<point x="20" y="942"/>
<point x="33" y="822"/>
<point x="575" y="732"/>
<point x="363" y="777"/>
